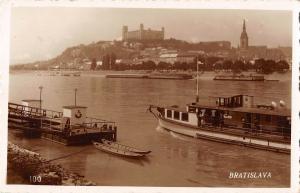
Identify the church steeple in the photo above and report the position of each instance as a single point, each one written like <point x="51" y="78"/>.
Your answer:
<point x="244" y="37"/>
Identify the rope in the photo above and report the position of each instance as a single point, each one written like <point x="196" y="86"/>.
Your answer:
<point x="65" y="156"/>
<point x="61" y="157"/>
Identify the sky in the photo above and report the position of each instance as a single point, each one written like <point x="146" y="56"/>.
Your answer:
<point x="41" y="33"/>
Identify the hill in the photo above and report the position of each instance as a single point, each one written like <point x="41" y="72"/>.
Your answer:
<point x="122" y="50"/>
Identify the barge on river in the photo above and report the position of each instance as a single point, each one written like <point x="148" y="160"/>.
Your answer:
<point x="239" y="78"/>
<point x="70" y="127"/>
<point x="152" y="76"/>
<point x="234" y="120"/>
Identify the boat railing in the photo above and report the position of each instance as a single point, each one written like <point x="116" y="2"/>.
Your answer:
<point x="283" y="132"/>
<point x="54" y="125"/>
<point x="92" y="119"/>
<point x="51" y="125"/>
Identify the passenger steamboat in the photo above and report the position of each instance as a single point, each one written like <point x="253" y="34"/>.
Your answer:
<point x="230" y="119"/>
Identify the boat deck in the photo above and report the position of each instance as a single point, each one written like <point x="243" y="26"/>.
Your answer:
<point x="240" y="132"/>
<point x="51" y="125"/>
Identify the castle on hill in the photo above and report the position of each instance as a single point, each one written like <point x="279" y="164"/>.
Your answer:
<point x="142" y="34"/>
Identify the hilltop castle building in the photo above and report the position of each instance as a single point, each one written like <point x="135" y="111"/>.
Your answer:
<point x="142" y="34"/>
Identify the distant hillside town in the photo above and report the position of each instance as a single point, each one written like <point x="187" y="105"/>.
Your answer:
<point x="147" y="49"/>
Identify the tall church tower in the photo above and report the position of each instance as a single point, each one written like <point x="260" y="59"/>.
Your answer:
<point x="244" y="38"/>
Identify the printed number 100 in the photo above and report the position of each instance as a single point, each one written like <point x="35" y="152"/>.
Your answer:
<point x="35" y="179"/>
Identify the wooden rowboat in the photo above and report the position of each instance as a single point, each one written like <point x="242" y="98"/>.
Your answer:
<point x="117" y="151"/>
<point x="125" y="147"/>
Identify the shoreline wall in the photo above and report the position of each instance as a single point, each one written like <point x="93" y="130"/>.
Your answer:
<point x="37" y="170"/>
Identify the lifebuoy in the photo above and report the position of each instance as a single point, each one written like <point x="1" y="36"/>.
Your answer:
<point x="78" y="114"/>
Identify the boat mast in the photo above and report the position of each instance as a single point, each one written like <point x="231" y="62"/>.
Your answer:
<point x="197" y="94"/>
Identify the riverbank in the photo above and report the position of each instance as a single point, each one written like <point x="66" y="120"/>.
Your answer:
<point x="34" y="169"/>
<point x="203" y="75"/>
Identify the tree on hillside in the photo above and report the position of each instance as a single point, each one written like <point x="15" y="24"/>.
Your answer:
<point x="105" y="62"/>
<point x="259" y="63"/>
<point x="149" y="65"/>
<point x="112" y="61"/>
<point x="163" y="66"/>
<point x="94" y="64"/>
<point x="210" y="61"/>
<point x="238" y="66"/>
<point x="282" y="66"/>
<point x="227" y="65"/>
<point x="265" y="66"/>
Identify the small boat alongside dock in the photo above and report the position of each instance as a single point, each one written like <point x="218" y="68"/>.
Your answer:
<point x="125" y="147"/>
<point x="117" y="149"/>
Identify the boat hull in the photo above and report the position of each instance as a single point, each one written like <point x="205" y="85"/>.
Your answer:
<point x="223" y="137"/>
<point x="114" y="151"/>
<point x="128" y="148"/>
<point x="119" y="152"/>
<point x="240" y="78"/>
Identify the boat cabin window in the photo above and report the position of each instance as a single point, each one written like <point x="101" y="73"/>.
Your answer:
<point x="184" y="117"/>
<point x="234" y="101"/>
<point x="169" y="113"/>
<point x="161" y="111"/>
<point x="192" y="109"/>
<point x="176" y="115"/>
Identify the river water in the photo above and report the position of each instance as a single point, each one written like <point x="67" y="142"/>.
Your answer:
<point x="175" y="160"/>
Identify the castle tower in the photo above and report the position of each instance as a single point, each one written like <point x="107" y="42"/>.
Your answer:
<point x="163" y="32"/>
<point x="124" y="33"/>
<point x="141" y="35"/>
<point x="244" y="38"/>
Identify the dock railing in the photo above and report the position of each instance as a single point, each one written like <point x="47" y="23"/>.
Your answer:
<point x="101" y="124"/>
<point x="32" y="112"/>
